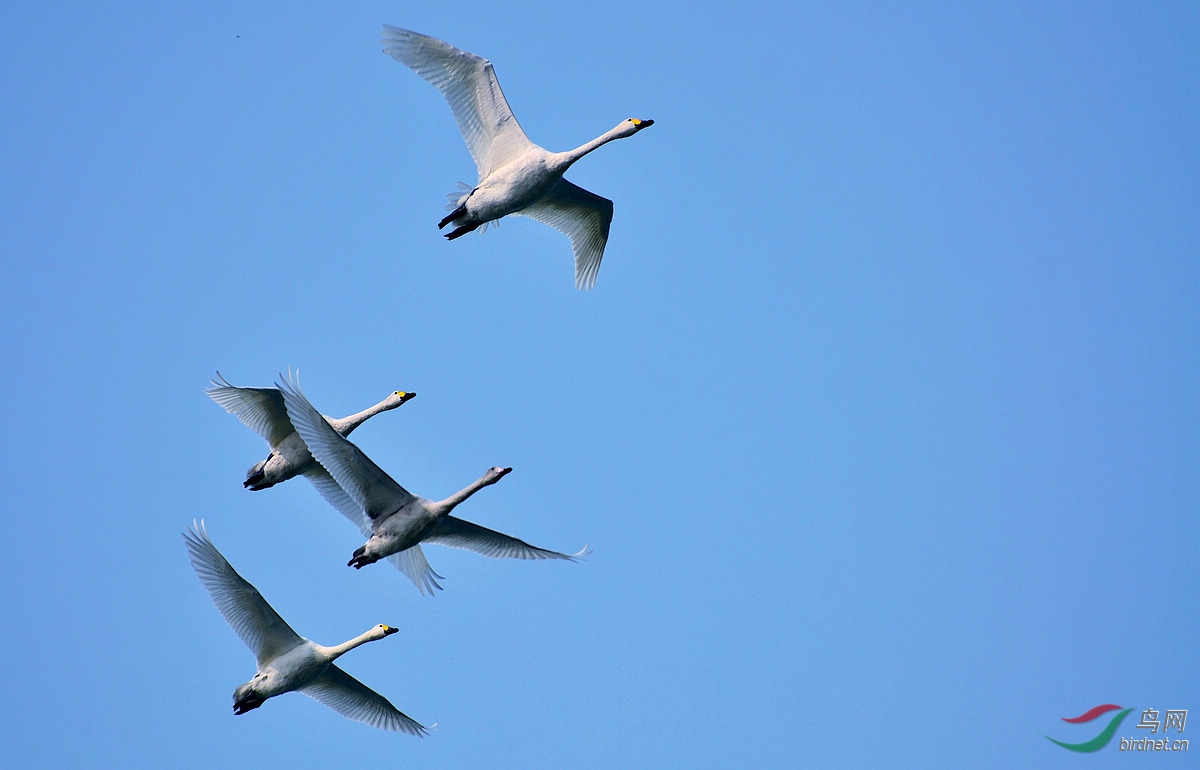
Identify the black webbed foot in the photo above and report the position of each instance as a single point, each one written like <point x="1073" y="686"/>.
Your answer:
<point x="461" y="231"/>
<point x="360" y="559"/>
<point x="458" y="212"/>
<point x="248" y="703"/>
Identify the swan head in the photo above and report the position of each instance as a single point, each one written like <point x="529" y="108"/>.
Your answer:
<point x="380" y="631"/>
<point x="398" y="398"/>
<point x="495" y="474"/>
<point x="632" y="126"/>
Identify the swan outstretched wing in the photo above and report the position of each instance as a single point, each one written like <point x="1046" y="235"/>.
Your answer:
<point x="411" y="561"/>
<point x="583" y="217"/>
<point x="469" y="84"/>
<point x="242" y="606"/>
<point x="353" y="699"/>
<point x="260" y="409"/>
<point x="457" y="533"/>
<point x="375" y="492"/>
<point x="337" y="497"/>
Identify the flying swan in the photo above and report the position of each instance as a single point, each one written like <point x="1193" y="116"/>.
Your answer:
<point x="516" y="176"/>
<point x="394" y="521"/>
<point x="262" y="410"/>
<point x="286" y="660"/>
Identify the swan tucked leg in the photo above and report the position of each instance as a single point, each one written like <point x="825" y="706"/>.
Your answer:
<point x="461" y="231"/>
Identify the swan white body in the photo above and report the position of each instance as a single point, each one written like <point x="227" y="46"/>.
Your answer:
<point x="286" y="660"/>
<point x="262" y="410"/>
<point x="395" y="521"/>
<point x="516" y="176"/>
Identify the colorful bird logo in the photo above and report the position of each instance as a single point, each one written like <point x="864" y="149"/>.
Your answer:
<point x="1101" y="740"/>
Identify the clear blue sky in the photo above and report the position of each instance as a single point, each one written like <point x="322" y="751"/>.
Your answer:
<point x="883" y="419"/>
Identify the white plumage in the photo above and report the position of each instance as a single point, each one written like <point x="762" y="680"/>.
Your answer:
<point x="287" y="661"/>
<point x="262" y="410"/>
<point x="516" y="176"/>
<point x="395" y="521"/>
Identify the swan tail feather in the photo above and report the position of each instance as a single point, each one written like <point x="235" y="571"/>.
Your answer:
<point x="459" y="196"/>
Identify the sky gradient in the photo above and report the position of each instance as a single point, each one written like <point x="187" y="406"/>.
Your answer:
<point x="882" y="419"/>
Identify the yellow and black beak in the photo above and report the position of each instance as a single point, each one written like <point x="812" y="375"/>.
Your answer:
<point x="639" y="124"/>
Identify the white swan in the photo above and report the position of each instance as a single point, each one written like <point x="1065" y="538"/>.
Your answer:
<point x="515" y="175"/>
<point x="394" y="521"/>
<point x="262" y="410"/>
<point x="286" y="660"/>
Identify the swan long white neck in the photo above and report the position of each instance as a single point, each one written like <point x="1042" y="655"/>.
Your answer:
<point x="345" y="425"/>
<point x="339" y="650"/>
<point x="447" y="505"/>
<point x="570" y="156"/>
